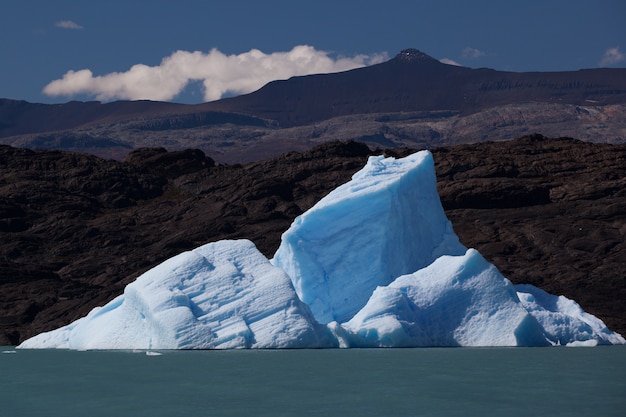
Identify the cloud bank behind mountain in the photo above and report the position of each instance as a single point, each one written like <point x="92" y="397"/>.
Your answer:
<point x="219" y="74"/>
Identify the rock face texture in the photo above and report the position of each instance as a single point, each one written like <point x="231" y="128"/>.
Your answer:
<point x="75" y="229"/>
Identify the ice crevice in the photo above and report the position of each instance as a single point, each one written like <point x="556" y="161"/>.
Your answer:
<point x="375" y="263"/>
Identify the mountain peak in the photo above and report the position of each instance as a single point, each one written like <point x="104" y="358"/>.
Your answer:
<point x="413" y="55"/>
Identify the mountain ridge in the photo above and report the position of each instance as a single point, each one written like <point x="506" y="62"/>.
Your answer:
<point x="387" y="87"/>
<point x="454" y="104"/>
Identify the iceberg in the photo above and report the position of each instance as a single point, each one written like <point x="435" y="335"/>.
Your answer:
<point x="563" y="321"/>
<point x="455" y="301"/>
<point x="375" y="263"/>
<point x="388" y="221"/>
<point x="221" y="295"/>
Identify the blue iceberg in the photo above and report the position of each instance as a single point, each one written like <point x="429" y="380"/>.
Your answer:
<point x="375" y="263"/>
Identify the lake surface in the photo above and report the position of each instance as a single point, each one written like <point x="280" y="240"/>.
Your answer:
<point x="334" y="382"/>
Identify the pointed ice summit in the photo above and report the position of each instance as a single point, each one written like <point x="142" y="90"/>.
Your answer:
<point x="375" y="263"/>
<point x="388" y="221"/>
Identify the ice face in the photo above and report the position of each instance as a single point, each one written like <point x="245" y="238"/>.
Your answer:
<point x="374" y="264"/>
<point x="218" y="296"/>
<point x="471" y="302"/>
<point x="564" y="322"/>
<point x="388" y="221"/>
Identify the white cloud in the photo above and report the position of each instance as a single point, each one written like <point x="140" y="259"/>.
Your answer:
<point x="220" y="74"/>
<point x="612" y="56"/>
<point x="449" y="62"/>
<point x="472" y="53"/>
<point x="67" y="24"/>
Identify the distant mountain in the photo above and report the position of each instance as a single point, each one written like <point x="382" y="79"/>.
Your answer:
<point x="414" y="81"/>
<point x="410" y="100"/>
<point x="75" y="229"/>
<point x="19" y="117"/>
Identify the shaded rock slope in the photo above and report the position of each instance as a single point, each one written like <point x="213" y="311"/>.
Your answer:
<point x="75" y="229"/>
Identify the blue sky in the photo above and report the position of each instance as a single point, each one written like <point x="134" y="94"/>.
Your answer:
<point x="192" y="50"/>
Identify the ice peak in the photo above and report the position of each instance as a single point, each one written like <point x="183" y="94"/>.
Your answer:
<point x="390" y="221"/>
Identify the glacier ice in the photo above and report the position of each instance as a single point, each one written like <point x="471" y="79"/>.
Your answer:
<point x="564" y="322"/>
<point x="471" y="302"/>
<point x="388" y="221"/>
<point x="221" y="295"/>
<point x="375" y="263"/>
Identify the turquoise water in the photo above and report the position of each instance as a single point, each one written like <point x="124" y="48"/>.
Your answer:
<point x="334" y="382"/>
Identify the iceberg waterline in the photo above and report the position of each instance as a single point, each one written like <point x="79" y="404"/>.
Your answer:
<point x="376" y="263"/>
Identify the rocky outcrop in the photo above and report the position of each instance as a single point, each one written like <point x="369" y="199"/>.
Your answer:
<point x="75" y="229"/>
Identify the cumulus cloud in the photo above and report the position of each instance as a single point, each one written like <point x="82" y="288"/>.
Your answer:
<point x="67" y="24"/>
<point x="612" y="56"/>
<point x="472" y="53"/>
<point x="220" y="74"/>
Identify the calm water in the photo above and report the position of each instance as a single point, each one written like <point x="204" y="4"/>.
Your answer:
<point x="359" y="382"/>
